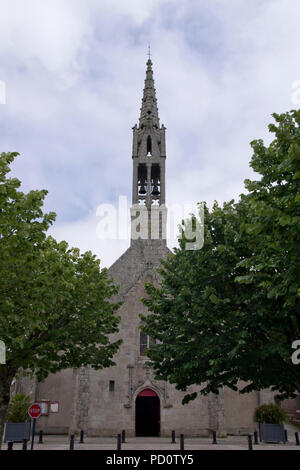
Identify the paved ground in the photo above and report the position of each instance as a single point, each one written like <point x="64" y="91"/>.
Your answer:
<point x="150" y="443"/>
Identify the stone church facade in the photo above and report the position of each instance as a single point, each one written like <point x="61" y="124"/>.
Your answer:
<point x="127" y="396"/>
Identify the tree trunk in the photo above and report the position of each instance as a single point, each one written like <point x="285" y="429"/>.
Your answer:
<point x="6" y="377"/>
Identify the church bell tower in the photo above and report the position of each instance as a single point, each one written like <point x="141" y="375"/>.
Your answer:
<point x="148" y="211"/>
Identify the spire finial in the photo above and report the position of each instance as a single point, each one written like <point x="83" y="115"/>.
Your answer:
<point x="149" y="52"/>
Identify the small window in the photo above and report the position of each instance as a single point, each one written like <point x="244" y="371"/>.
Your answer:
<point x="111" y="385"/>
<point x="143" y="343"/>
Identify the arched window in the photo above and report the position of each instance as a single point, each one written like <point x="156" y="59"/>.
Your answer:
<point x="149" y="145"/>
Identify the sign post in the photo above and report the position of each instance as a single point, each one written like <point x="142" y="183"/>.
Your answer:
<point x="34" y="412"/>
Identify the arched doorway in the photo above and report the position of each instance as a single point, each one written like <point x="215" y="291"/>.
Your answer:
<point x="147" y="413"/>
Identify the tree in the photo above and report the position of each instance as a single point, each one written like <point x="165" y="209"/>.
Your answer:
<point x="230" y="311"/>
<point x="55" y="303"/>
<point x="270" y="413"/>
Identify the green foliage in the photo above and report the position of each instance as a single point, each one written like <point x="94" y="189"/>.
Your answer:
<point x="18" y="408"/>
<point x="270" y="413"/>
<point x="229" y="312"/>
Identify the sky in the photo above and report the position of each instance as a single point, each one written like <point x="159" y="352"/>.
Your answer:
<point x="71" y="81"/>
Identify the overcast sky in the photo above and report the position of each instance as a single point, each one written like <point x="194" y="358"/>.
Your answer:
<point x="74" y="73"/>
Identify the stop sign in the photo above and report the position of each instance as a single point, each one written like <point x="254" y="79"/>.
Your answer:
<point x="34" y="410"/>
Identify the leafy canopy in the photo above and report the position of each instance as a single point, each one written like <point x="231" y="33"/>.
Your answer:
<point x="18" y="408"/>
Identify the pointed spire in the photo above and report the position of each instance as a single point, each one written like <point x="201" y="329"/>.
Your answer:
<point x="149" y="110"/>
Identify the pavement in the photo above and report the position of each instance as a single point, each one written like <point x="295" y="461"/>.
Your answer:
<point x="58" y="442"/>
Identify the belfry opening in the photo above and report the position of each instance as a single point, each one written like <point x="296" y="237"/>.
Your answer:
<point x="147" y="413"/>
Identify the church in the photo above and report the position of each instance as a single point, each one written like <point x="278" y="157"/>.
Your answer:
<point x="127" y="396"/>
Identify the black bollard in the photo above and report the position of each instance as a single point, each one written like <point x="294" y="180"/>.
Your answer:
<point x="255" y="437"/>
<point x="24" y="447"/>
<point x="41" y="437"/>
<point x="286" y="435"/>
<point x="297" y="438"/>
<point x="119" y="442"/>
<point x="173" y="437"/>
<point x="72" y="442"/>
<point x="81" y="437"/>
<point x="181" y="441"/>
<point x="250" y="447"/>
<point x="123" y="436"/>
<point x="214" y="437"/>
<point x="10" y="445"/>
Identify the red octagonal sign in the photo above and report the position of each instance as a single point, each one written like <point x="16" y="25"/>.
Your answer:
<point x="34" y="410"/>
